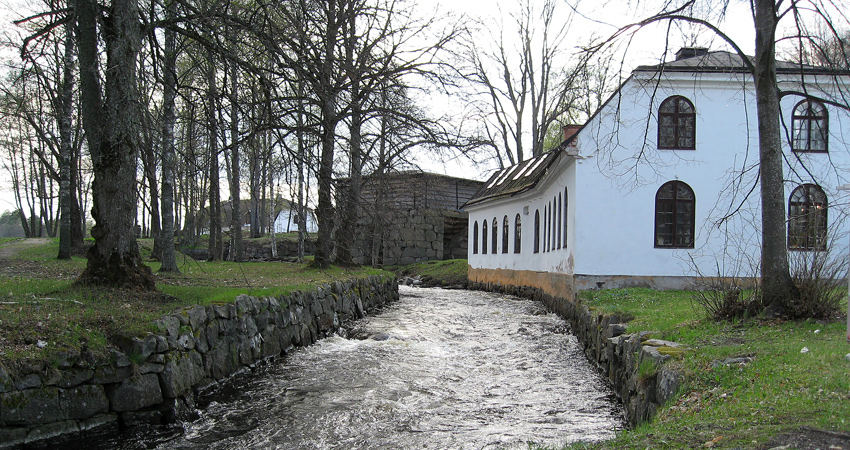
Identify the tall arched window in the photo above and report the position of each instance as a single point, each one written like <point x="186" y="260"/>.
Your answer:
<point x="566" y="214"/>
<point x="484" y="242"/>
<point x="807" y="218"/>
<point x="475" y="238"/>
<point x="495" y="236"/>
<point x="674" y="216"/>
<point x="677" y="124"/>
<point x="559" y="220"/>
<point x="545" y="228"/>
<point x="810" y="124"/>
<point x="517" y="234"/>
<point x="536" y="231"/>
<point x="505" y="231"/>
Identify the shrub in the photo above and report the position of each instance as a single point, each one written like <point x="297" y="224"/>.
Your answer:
<point x="727" y="298"/>
<point x="821" y="284"/>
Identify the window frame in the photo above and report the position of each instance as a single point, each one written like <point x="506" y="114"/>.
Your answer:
<point x="676" y="202"/>
<point x="475" y="238"/>
<point x="484" y="242"/>
<point x="518" y="234"/>
<point x="808" y="119"/>
<point x="495" y="237"/>
<point x="820" y="231"/>
<point x="536" y="231"/>
<point x="676" y="115"/>
<point x="505" y="234"/>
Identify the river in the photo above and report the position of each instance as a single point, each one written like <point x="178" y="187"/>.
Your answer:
<point x="439" y="369"/>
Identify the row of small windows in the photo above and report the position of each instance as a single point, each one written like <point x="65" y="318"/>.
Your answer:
<point x="677" y="125"/>
<point x="675" y="204"/>
<point x="549" y="235"/>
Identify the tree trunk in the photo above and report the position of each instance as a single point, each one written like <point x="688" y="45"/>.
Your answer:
<point x="777" y="285"/>
<point x="168" y="257"/>
<point x="327" y="96"/>
<point x="65" y="187"/>
<point x="112" y="130"/>
<point x="214" y="249"/>
<point x="235" y="201"/>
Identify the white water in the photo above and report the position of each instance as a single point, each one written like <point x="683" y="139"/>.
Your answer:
<point x="439" y="369"/>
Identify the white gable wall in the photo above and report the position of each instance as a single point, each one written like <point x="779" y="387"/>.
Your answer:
<point x="616" y="184"/>
<point x="561" y="175"/>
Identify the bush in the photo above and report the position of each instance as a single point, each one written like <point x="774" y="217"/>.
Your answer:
<point x="821" y="284"/>
<point x="727" y="298"/>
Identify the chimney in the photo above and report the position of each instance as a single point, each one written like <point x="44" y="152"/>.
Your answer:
<point x="690" y="52"/>
<point x="570" y="131"/>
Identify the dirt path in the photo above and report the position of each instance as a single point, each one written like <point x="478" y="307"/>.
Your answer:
<point x="11" y="248"/>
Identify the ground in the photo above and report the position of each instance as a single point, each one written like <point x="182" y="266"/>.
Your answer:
<point x="810" y="439"/>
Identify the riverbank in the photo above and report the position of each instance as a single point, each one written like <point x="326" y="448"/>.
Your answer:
<point x="74" y="359"/>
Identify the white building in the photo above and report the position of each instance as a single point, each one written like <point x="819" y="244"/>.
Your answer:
<point x="662" y="183"/>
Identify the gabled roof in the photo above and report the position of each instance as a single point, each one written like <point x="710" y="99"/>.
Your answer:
<point x="515" y="179"/>
<point x="728" y="62"/>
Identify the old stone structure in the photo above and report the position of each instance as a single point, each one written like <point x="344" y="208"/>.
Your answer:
<point x="152" y="378"/>
<point x="410" y="217"/>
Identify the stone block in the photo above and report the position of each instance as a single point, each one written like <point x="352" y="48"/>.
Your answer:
<point x="668" y="382"/>
<point x="84" y="401"/>
<point x="135" y="393"/>
<point x="52" y="430"/>
<point x="181" y="372"/>
<point x="74" y="377"/>
<point x="12" y="437"/>
<point x="111" y="374"/>
<point x="197" y="317"/>
<point x="31" y="407"/>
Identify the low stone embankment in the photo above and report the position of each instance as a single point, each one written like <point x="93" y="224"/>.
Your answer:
<point x="153" y="378"/>
<point x="635" y="364"/>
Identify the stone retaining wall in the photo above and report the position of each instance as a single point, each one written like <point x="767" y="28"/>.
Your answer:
<point x="151" y="379"/>
<point x="636" y="365"/>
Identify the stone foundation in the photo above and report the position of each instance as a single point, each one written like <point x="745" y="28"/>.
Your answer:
<point x="153" y="378"/>
<point x="636" y="366"/>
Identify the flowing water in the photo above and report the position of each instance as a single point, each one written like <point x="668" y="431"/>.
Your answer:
<point x="440" y="369"/>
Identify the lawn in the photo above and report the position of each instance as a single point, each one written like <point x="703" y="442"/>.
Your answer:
<point x="41" y="310"/>
<point x="798" y="376"/>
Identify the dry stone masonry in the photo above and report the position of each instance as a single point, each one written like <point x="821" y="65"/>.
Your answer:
<point x="152" y="378"/>
<point x="636" y="365"/>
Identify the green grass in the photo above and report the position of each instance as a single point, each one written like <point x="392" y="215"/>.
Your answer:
<point x="452" y="272"/>
<point x="39" y="301"/>
<point x="781" y="390"/>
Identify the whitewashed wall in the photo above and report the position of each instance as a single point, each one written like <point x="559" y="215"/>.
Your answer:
<point x="618" y="180"/>
<point x="285" y="222"/>
<point x="560" y="175"/>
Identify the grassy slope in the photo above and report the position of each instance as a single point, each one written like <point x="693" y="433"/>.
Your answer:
<point x="38" y="301"/>
<point x="451" y="272"/>
<point x="781" y="390"/>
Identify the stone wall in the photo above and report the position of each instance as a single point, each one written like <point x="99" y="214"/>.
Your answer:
<point x="150" y="379"/>
<point x="254" y="251"/>
<point x="636" y="366"/>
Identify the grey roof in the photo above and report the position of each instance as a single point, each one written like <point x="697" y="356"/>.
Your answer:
<point x="728" y="62"/>
<point x="515" y="179"/>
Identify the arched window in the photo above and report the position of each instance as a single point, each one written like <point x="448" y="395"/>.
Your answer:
<point x="553" y="211"/>
<point x="674" y="216"/>
<point x="536" y="231"/>
<point x="484" y="237"/>
<point x="517" y="234"/>
<point x="505" y="231"/>
<point x="566" y="214"/>
<point x="559" y="220"/>
<point x="810" y="127"/>
<point x="475" y="238"/>
<point x="495" y="236"/>
<point x="807" y="218"/>
<point x="677" y="124"/>
<point x="545" y="228"/>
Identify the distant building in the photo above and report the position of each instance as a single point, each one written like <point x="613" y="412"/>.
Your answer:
<point x="408" y="217"/>
<point x="661" y="183"/>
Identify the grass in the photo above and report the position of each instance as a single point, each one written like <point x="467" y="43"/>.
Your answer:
<point x="42" y="311"/>
<point x="452" y="272"/>
<point x="744" y="405"/>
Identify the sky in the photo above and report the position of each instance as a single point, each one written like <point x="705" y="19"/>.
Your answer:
<point x="600" y="19"/>
<point x="587" y="18"/>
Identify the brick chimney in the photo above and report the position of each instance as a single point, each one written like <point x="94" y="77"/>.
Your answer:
<point x="690" y="52"/>
<point x="570" y="131"/>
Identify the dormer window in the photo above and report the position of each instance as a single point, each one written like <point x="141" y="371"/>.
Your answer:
<point x="810" y="127"/>
<point x="677" y="124"/>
